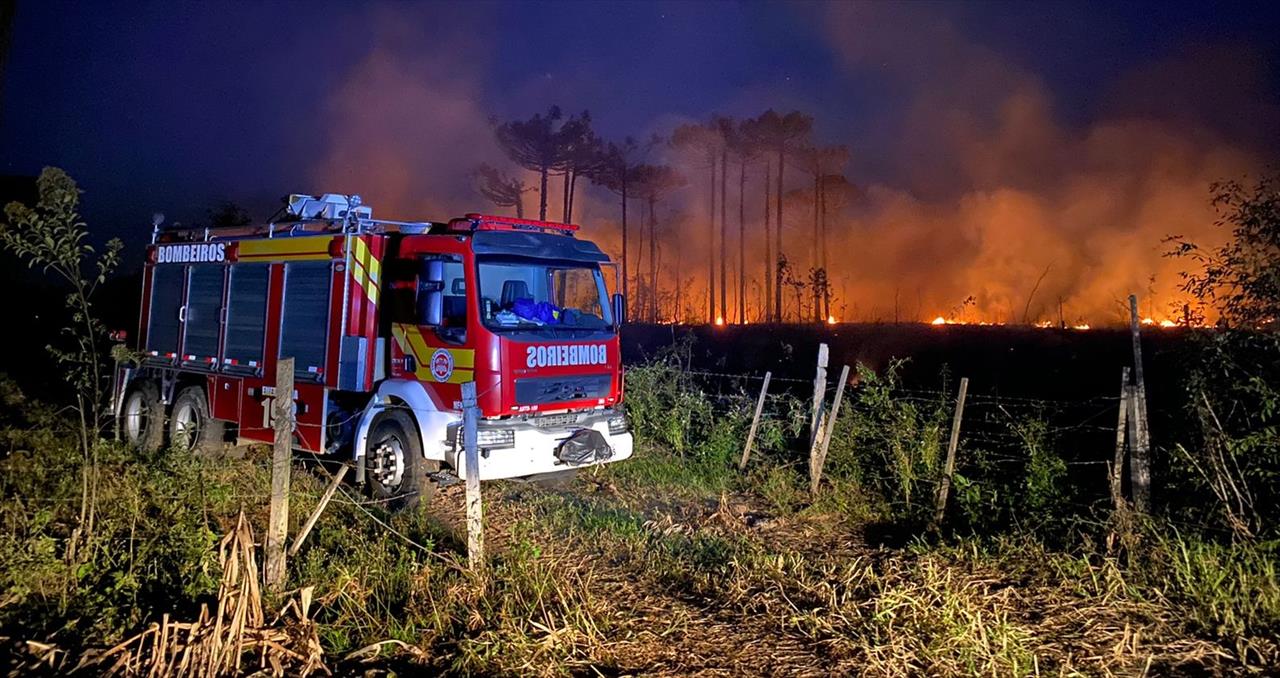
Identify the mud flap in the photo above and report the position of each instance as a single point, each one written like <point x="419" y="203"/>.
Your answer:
<point x="586" y="446"/>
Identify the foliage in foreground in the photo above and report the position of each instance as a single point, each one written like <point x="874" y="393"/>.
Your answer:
<point x="153" y="552"/>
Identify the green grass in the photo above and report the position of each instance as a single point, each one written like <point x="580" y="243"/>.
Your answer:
<point x="568" y="571"/>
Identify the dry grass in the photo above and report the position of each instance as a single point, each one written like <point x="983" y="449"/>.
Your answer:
<point x="702" y="591"/>
<point x="213" y="644"/>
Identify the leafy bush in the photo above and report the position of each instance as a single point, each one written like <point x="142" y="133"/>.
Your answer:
<point x="889" y="444"/>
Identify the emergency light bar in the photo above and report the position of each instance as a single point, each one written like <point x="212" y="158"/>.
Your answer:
<point x="489" y="222"/>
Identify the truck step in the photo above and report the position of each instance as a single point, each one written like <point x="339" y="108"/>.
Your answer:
<point x="444" y="478"/>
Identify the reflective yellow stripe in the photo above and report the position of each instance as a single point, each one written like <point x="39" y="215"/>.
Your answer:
<point x="411" y="342"/>
<point x="365" y="256"/>
<point x="458" y="376"/>
<point x="285" y="249"/>
<point x="357" y="272"/>
<point x="365" y="269"/>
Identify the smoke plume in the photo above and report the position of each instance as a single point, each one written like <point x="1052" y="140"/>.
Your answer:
<point x="976" y="199"/>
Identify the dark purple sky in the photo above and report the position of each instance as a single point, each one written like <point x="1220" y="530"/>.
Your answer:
<point x="170" y="106"/>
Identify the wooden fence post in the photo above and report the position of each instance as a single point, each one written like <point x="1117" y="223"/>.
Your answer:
<point x="816" y="477"/>
<point x="315" y="514"/>
<point x="949" y="469"/>
<point x="281" y="461"/>
<point x="819" y="391"/>
<point x="815" y="418"/>
<point x="471" y="447"/>
<point x="755" y="422"/>
<point x="1140" y="442"/>
<point x="1122" y="419"/>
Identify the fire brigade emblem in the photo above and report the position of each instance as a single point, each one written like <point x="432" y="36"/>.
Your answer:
<point x="442" y="365"/>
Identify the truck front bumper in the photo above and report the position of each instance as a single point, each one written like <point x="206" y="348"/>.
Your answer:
<point x="533" y="449"/>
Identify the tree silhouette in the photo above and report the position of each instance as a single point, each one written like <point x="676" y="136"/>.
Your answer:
<point x="703" y="144"/>
<point x="780" y="134"/>
<point x="581" y="154"/>
<point x="227" y="214"/>
<point x="616" y="171"/>
<point x="652" y="182"/>
<point x="500" y="189"/>
<point x="744" y="151"/>
<point x="818" y="161"/>
<point x="539" y="144"/>
<point x="727" y="130"/>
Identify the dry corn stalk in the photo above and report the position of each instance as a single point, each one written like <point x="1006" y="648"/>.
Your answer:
<point x="216" y="645"/>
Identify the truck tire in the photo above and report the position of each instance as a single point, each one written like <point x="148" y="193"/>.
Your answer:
<point x="191" y="428"/>
<point x="394" y="465"/>
<point x="142" y="417"/>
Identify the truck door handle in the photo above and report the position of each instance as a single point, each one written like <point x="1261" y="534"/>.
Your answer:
<point x="182" y="313"/>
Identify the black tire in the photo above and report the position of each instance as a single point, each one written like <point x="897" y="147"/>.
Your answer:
<point x="142" y="417"/>
<point x="394" y="466"/>
<point x="191" y="428"/>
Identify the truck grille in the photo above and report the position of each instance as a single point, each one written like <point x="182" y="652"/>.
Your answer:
<point x="554" y="420"/>
<point x="543" y="390"/>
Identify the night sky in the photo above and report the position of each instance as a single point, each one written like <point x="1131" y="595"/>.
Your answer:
<point x="172" y="106"/>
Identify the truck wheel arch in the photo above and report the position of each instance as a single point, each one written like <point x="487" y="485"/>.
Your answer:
<point x="432" y="423"/>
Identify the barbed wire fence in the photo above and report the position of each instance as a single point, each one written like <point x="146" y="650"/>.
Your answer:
<point x="1000" y="438"/>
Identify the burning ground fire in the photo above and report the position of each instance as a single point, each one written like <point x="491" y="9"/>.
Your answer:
<point x="1046" y="324"/>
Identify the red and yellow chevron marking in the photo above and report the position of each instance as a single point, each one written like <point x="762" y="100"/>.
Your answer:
<point x="366" y="270"/>
<point x="285" y="249"/>
<point x="410" y="340"/>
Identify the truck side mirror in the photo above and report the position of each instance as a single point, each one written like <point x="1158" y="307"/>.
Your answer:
<point x="431" y="292"/>
<point x="619" y="310"/>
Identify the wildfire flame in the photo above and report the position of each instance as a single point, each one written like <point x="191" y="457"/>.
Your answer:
<point x="1080" y="325"/>
<point x="831" y="320"/>
<point x="719" y="321"/>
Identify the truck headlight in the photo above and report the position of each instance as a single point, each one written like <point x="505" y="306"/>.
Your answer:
<point x="487" y="438"/>
<point x="618" y="425"/>
<point x="496" y="438"/>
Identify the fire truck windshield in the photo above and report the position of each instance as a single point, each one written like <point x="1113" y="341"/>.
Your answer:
<point x="522" y="294"/>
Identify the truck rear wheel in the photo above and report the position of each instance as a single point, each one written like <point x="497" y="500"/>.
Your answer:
<point x="395" y="467"/>
<point x="142" y="417"/>
<point x="190" y="426"/>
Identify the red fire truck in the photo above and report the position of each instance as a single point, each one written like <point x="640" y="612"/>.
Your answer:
<point x="384" y="320"/>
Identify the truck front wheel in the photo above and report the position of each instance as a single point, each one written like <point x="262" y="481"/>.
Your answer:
<point x="142" y="417"/>
<point x="190" y="426"/>
<point x="394" y="465"/>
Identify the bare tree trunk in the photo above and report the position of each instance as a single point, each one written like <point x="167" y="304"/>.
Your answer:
<point x="679" y="315"/>
<point x="564" y="206"/>
<point x="711" y="249"/>
<point x="724" y="231"/>
<point x="817" y="246"/>
<point x="768" y="245"/>
<point x="653" y="259"/>
<point x="777" y="234"/>
<point x="826" y="290"/>
<point x="542" y="195"/>
<point x="822" y="201"/>
<point x="742" y="241"/>
<point x="626" y="298"/>
<point x="573" y="186"/>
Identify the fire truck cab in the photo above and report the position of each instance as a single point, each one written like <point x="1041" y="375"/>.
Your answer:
<point x="385" y="321"/>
